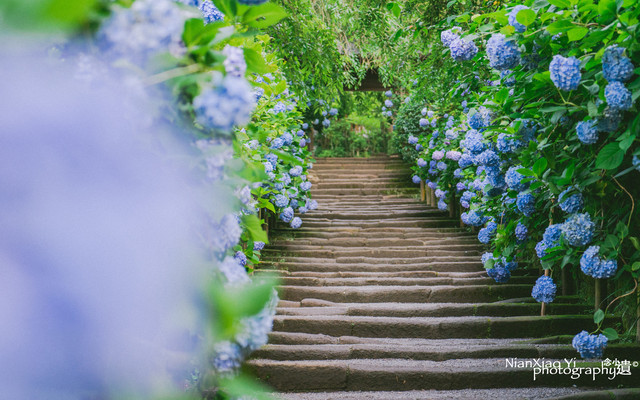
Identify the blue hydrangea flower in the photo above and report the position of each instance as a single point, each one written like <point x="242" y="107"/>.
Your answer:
<point x="473" y="141"/>
<point x="419" y="147"/>
<point x="460" y="186"/>
<point x="457" y="173"/>
<point x="287" y="214"/>
<point x="423" y="122"/>
<point x="522" y="232"/>
<point x="388" y="103"/>
<point x="589" y="346"/>
<point x="438" y="155"/>
<point x="570" y="204"/>
<point x="616" y="67"/>
<point x="226" y="106"/>
<point x="257" y="246"/>
<point x="281" y="201"/>
<point x="449" y="35"/>
<point x="635" y="161"/>
<point x="514" y="179"/>
<point x="412" y="140"/>
<point x="488" y="158"/>
<point x="591" y="264"/>
<point x="578" y="229"/>
<point x="241" y="258"/>
<point x="305" y="186"/>
<point x="326" y="123"/>
<point x="422" y="163"/>
<point x="233" y="271"/>
<point x="416" y="179"/>
<point x="465" y="160"/>
<point x="226" y="357"/>
<point x="296" y="171"/>
<point x="441" y="165"/>
<point x="463" y="49"/>
<point x="503" y="54"/>
<point x="526" y="203"/>
<point x="312" y="204"/>
<point x="287" y="138"/>
<point x="276" y="143"/>
<point x="234" y="63"/>
<point x="226" y="234"/>
<point x="507" y="77"/>
<point x="210" y="12"/>
<point x="512" y="18"/>
<point x="501" y="271"/>
<point x="618" y="97"/>
<point x="485" y="234"/>
<point x="388" y="93"/>
<point x="544" y="291"/>
<point x="147" y="27"/>
<point x="296" y="223"/>
<point x="587" y="132"/>
<point x="565" y="72"/>
<point x="473" y="218"/>
<point x="333" y="111"/>
<point x="442" y="205"/>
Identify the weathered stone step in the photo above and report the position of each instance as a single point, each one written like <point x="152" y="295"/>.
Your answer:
<point x="432" y="222"/>
<point x="436" y="327"/>
<point x="400" y="281"/>
<point x="401" y="374"/>
<point x="470" y="265"/>
<point x="429" y="309"/>
<point x="412" y="252"/>
<point x="405" y="294"/>
<point x="379" y="275"/>
<point x="332" y="214"/>
<point x="434" y="352"/>
<point x="339" y="192"/>
<point x="347" y="242"/>
<point x="369" y="233"/>
<point x="372" y="261"/>
<point x="466" y="394"/>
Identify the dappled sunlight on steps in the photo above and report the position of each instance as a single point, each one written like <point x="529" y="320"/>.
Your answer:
<point x="384" y="297"/>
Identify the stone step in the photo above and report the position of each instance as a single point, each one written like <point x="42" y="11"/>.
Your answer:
<point x="406" y="294"/>
<point x="402" y="374"/>
<point x="411" y="252"/>
<point x="369" y="233"/>
<point x="440" y="351"/>
<point x="537" y="393"/>
<point x="273" y="258"/>
<point x="348" y="242"/>
<point x="400" y="281"/>
<point x="432" y="222"/>
<point x="472" y="264"/>
<point x="307" y="308"/>
<point x="435" y="327"/>
<point x="333" y="214"/>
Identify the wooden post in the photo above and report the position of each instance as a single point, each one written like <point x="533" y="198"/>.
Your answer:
<point x="452" y="203"/>
<point x="598" y="296"/>
<point x="543" y="305"/>
<point x="422" y="192"/>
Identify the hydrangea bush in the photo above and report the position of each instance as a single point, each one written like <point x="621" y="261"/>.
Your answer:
<point x="548" y="157"/>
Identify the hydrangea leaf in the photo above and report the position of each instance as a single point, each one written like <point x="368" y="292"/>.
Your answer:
<point x="610" y="333"/>
<point x="610" y="156"/>
<point x="598" y="316"/>
<point x="577" y="33"/>
<point x="526" y="16"/>
<point x="560" y="3"/>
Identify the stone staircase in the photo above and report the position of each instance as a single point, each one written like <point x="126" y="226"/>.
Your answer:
<point x="385" y="298"/>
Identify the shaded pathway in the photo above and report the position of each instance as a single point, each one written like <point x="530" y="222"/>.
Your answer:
<point x="382" y="293"/>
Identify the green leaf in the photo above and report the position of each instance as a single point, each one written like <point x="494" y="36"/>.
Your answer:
<point x="227" y="7"/>
<point x="610" y="333"/>
<point x="560" y="26"/>
<point x="540" y="166"/>
<point x="636" y="243"/>
<point x="526" y="17"/>
<point x="560" y="3"/>
<point x="255" y="62"/>
<point x="578" y="33"/>
<point x="610" y="156"/>
<point x="525" y="172"/>
<point x="635" y="266"/>
<point x="607" y="10"/>
<point x="264" y="15"/>
<point x="598" y="316"/>
<point x="254" y="227"/>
